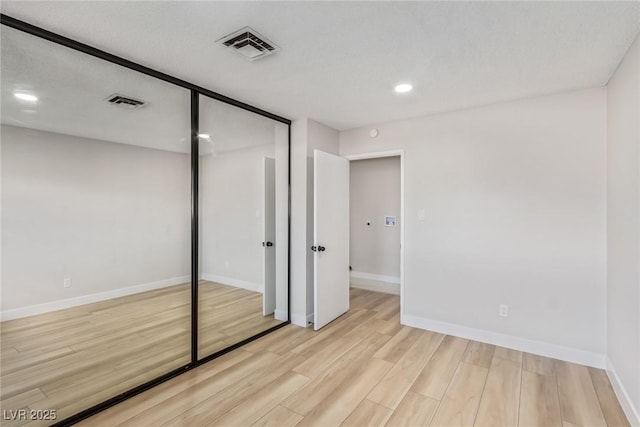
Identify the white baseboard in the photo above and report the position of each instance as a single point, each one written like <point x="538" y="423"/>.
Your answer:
<point x="387" y="288"/>
<point x="301" y="320"/>
<point x="376" y="277"/>
<point x="280" y="315"/>
<point x="530" y="346"/>
<point x="375" y="282"/>
<point x="632" y="413"/>
<point x="231" y="281"/>
<point x="47" y="307"/>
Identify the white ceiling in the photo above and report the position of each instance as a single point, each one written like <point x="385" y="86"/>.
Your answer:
<point x="340" y="60"/>
<point x="72" y="88"/>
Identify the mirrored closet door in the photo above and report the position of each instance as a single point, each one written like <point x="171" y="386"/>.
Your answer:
<point x="95" y="227"/>
<point x="144" y="226"/>
<point x="243" y="223"/>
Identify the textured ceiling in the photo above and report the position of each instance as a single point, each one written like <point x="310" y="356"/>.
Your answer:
<point x="340" y="60"/>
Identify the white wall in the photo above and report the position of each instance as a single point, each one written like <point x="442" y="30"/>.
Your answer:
<point x="623" y="227"/>
<point x="515" y="202"/>
<point x="232" y="216"/>
<point x="306" y="136"/>
<point x="106" y="215"/>
<point x="375" y="192"/>
<point x="298" y="269"/>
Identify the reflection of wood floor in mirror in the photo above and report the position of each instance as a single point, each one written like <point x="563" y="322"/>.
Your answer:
<point x="72" y="359"/>
<point x="365" y="369"/>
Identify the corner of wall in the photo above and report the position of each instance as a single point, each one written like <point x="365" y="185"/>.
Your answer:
<point x="623" y="232"/>
<point x="623" y="396"/>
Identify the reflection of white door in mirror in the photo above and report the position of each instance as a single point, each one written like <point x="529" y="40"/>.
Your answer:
<point x="269" y="296"/>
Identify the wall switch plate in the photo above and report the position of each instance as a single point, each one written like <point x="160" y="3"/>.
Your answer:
<point x="421" y="214"/>
<point x="67" y="282"/>
<point x="503" y="311"/>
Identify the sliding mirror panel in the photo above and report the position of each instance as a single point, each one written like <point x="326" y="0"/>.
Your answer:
<point x="96" y="227"/>
<point x="243" y="222"/>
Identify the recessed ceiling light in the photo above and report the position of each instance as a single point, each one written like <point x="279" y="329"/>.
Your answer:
<point x="204" y="136"/>
<point x="25" y="96"/>
<point x="403" y="87"/>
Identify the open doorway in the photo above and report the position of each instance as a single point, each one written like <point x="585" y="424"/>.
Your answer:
<point x="331" y="236"/>
<point x="376" y="227"/>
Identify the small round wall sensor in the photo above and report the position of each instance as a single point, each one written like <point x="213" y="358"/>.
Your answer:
<point x="373" y="133"/>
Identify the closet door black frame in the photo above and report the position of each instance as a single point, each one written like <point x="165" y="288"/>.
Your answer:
<point x="195" y="91"/>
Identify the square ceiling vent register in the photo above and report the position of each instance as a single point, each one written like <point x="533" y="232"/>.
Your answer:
<point x="125" y="101"/>
<point x="249" y="43"/>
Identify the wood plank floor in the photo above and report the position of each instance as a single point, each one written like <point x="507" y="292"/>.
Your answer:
<point x="72" y="359"/>
<point x="365" y="369"/>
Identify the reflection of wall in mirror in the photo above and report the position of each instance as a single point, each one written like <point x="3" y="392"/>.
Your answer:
<point x="232" y="216"/>
<point x="112" y="217"/>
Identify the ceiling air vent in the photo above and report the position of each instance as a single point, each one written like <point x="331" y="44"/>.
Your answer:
<point x="249" y="43"/>
<point x="125" y="101"/>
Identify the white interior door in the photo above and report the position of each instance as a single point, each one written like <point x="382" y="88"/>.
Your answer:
<point x="269" y="296"/>
<point x="331" y="237"/>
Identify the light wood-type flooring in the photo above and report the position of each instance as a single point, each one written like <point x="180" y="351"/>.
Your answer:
<point x="365" y="369"/>
<point x="72" y="359"/>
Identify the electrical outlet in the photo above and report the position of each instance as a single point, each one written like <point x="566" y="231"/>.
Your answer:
<point x="66" y="282"/>
<point x="503" y="311"/>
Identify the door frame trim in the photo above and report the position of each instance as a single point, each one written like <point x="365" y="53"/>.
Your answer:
<point x="377" y="155"/>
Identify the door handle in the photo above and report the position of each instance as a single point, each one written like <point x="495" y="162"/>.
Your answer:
<point x="267" y="244"/>
<point x="321" y="248"/>
<point x="318" y="248"/>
